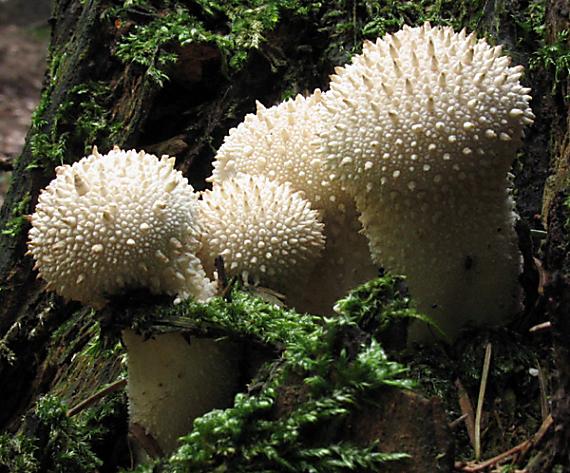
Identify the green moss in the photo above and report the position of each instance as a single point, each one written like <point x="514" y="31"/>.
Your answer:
<point x="86" y="363"/>
<point x="320" y="357"/>
<point x="334" y="371"/>
<point x="84" y="116"/>
<point x="554" y="57"/>
<point x="379" y="304"/>
<point x="58" y="444"/>
<point x="146" y="45"/>
<point x="14" y="226"/>
<point x="18" y="454"/>
<point x="238" y="27"/>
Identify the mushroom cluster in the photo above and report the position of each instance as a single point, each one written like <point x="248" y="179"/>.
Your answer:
<point x="281" y="143"/>
<point x="411" y="146"/>
<point x="421" y="129"/>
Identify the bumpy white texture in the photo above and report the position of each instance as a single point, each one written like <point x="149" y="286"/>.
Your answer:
<point x="462" y="262"/>
<point x="424" y="108"/>
<point x="173" y="380"/>
<point x="422" y="129"/>
<point x="264" y="230"/>
<point x="280" y="143"/>
<point x="115" y="221"/>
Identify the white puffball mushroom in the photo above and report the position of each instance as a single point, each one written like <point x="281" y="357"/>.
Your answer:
<point x="115" y="221"/>
<point x="127" y="219"/>
<point x="422" y="129"/>
<point x="264" y="231"/>
<point x="282" y="144"/>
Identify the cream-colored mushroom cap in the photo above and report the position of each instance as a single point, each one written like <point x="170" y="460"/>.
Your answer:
<point x="424" y="107"/>
<point x="115" y="221"/>
<point x="264" y="230"/>
<point x="280" y="143"/>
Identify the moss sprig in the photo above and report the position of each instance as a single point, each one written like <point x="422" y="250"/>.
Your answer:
<point x="54" y="443"/>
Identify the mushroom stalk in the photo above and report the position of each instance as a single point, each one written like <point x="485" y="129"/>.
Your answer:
<point x="460" y="257"/>
<point x="344" y="264"/>
<point x="172" y="379"/>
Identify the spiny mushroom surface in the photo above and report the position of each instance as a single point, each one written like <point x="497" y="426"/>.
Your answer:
<point x="422" y="129"/>
<point x="280" y="143"/>
<point x="264" y="230"/>
<point x="109" y="222"/>
<point x="424" y="108"/>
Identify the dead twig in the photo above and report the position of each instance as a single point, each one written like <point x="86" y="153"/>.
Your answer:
<point x="542" y="383"/>
<point x="540" y="327"/>
<point x="481" y="399"/>
<point x="145" y="440"/>
<point x="453" y="424"/>
<point x="116" y="386"/>
<point x="467" y="410"/>
<point x="521" y="449"/>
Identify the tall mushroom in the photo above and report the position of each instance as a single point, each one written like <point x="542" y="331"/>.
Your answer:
<point x="127" y="220"/>
<point x="281" y="144"/>
<point x="422" y="129"/>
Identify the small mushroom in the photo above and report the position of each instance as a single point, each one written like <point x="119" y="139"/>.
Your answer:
<point x="266" y="232"/>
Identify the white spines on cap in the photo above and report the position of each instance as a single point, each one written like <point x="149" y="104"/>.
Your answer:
<point x="120" y="220"/>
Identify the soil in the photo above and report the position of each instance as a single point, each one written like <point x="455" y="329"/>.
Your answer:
<point x="22" y="66"/>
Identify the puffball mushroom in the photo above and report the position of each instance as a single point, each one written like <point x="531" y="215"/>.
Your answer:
<point x="281" y="143"/>
<point x="264" y="230"/>
<point x="123" y="220"/>
<point x="422" y="129"/>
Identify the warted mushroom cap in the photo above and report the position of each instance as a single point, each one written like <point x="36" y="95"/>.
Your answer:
<point x="422" y="129"/>
<point x="424" y="107"/>
<point x="280" y="143"/>
<point x="263" y="230"/>
<point x="124" y="219"/>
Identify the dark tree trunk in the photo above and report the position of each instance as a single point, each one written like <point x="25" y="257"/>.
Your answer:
<point x="189" y="115"/>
